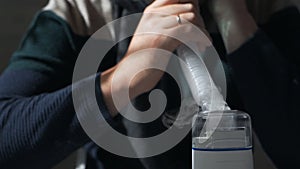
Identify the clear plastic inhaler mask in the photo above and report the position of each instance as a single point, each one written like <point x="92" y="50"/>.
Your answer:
<point x="222" y="138"/>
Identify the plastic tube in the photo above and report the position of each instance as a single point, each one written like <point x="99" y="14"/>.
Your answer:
<point x="203" y="89"/>
<point x="198" y="89"/>
<point x="219" y="134"/>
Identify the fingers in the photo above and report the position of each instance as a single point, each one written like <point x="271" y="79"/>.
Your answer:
<point x="173" y="20"/>
<point x="170" y="9"/>
<point x="187" y="17"/>
<point x="173" y="9"/>
<point x="159" y="3"/>
<point x="176" y="9"/>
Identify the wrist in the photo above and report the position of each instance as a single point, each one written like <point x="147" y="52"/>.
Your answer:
<point x="227" y="9"/>
<point x="231" y="15"/>
<point x="106" y="88"/>
<point x="236" y="27"/>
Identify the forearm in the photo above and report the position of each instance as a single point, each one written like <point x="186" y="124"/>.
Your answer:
<point x="124" y="81"/>
<point x="262" y="76"/>
<point x="235" y="23"/>
<point x="40" y="130"/>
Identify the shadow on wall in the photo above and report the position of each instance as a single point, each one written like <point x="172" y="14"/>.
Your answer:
<point x="15" y="16"/>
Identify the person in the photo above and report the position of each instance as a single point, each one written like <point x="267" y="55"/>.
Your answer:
<point x="264" y="60"/>
<point x="39" y="126"/>
<point x="38" y="122"/>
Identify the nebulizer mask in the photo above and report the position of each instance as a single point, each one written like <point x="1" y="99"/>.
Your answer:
<point x="221" y="138"/>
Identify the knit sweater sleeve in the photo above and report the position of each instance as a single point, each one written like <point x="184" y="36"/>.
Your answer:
<point x="38" y="123"/>
<point x="266" y="71"/>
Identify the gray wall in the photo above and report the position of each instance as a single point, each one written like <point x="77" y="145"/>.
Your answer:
<point x="15" y="16"/>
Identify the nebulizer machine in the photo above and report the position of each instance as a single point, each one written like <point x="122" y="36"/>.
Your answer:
<point x="221" y="138"/>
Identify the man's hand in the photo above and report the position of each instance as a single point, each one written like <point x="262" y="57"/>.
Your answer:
<point x="155" y="30"/>
<point x="159" y="19"/>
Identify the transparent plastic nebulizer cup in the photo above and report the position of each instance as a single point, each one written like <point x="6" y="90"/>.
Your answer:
<point x="222" y="140"/>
